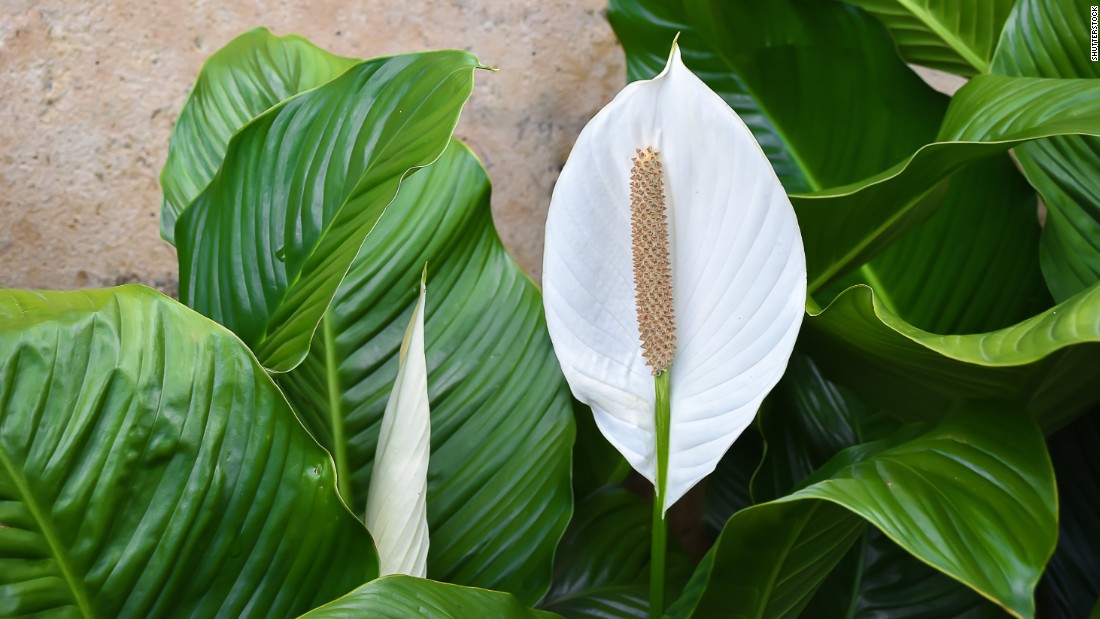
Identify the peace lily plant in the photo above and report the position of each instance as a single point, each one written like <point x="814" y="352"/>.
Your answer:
<point x="674" y="281"/>
<point x="285" y="441"/>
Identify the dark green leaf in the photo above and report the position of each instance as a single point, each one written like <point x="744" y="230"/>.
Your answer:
<point x="1049" y="364"/>
<point x="596" y="462"/>
<point x="238" y="82"/>
<point x="728" y="487"/>
<point x="1071" y="583"/>
<point x="502" y="427"/>
<point x="789" y="70"/>
<point x="843" y="227"/>
<point x="957" y="37"/>
<point x="403" y="597"/>
<point x="149" y="467"/>
<point x="974" y="266"/>
<point x="264" y="247"/>
<point x="772" y="557"/>
<point x="879" y="580"/>
<point x="602" y="566"/>
<point x="1050" y="38"/>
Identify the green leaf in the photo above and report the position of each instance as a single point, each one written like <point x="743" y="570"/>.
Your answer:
<point x="149" y="467"/>
<point x="727" y="488"/>
<point x="1050" y="38"/>
<point x="602" y="564"/>
<point x="501" y="414"/>
<point x="1071" y="583"/>
<point x="401" y="597"/>
<point x="264" y="247"/>
<point x="792" y="543"/>
<point x="879" y="580"/>
<point x="974" y="266"/>
<point x="843" y="227"/>
<point x="238" y="82"/>
<point x="596" y="462"/>
<point x="957" y="37"/>
<point x="789" y="69"/>
<point x="1048" y="363"/>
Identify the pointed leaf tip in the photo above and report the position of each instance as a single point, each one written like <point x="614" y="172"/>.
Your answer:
<point x="737" y="263"/>
<point x="397" y="514"/>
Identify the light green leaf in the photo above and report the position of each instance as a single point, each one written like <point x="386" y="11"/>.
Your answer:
<point x="789" y="69"/>
<point x="948" y="35"/>
<point x="264" y="247"/>
<point x="845" y="226"/>
<point x="996" y="546"/>
<point x="402" y="597"/>
<point x="238" y="82"/>
<point x="397" y="513"/>
<point x="501" y="415"/>
<point x="149" y="467"/>
<point x="1050" y="38"/>
<point x="1048" y="363"/>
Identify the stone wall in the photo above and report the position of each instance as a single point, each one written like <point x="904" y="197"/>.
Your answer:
<point x="89" y="90"/>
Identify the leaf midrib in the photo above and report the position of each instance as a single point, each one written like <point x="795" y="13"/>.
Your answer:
<point x="76" y="585"/>
<point x="960" y="47"/>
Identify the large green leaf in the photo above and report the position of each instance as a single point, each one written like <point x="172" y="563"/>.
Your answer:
<point x="789" y="70"/>
<point x="843" y="227"/>
<point x="973" y="497"/>
<point x="602" y="565"/>
<point x="403" y="597"/>
<point x="498" y="479"/>
<point x="238" y="82"/>
<point x="1049" y="363"/>
<point x="948" y="35"/>
<point x="264" y="247"/>
<point x="974" y="266"/>
<point x="1071" y="583"/>
<point x="808" y="420"/>
<point x="149" y="467"/>
<point x="1050" y="38"/>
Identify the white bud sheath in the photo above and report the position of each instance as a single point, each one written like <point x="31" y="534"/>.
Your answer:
<point x="397" y="509"/>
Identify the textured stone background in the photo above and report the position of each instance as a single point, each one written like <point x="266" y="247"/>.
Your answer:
<point x="89" y="90"/>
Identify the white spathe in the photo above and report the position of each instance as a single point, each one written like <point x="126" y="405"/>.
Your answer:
<point x="397" y="513"/>
<point x="738" y="274"/>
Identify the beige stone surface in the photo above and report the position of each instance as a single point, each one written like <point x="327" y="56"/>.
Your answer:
<point x="89" y="90"/>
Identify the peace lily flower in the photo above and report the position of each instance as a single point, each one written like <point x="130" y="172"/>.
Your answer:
<point x="674" y="276"/>
<point x="397" y="512"/>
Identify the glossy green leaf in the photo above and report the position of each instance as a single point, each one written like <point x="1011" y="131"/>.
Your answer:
<point x="1048" y="363"/>
<point x="596" y="462"/>
<point x="845" y="226"/>
<point x="727" y="488"/>
<point x="1050" y="38"/>
<point x="602" y="563"/>
<point x="772" y="557"/>
<point x="1071" y="583"/>
<point x="974" y="266"/>
<point x="402" y="597"/>
<point x="149" y="467"/>
<point x="789" y="69"/>
<point x="808" y="420"/>
<point x="948" y="35"/>
<point x="265" y="246"/>
<point x="501" y="415"/>
<point x="879" y="580"/>
<point x="240" y="81"/>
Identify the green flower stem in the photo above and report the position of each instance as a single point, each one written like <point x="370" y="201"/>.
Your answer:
<point x="660" y="531"/>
